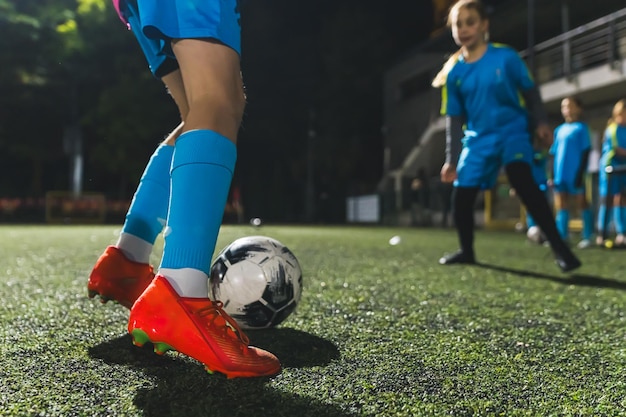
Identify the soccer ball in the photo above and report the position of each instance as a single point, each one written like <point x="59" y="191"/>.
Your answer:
<point x="535" y="235"/>
<point x="259" y="281"/>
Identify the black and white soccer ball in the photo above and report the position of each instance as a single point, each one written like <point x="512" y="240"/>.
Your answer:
<point x="259" y="281"/>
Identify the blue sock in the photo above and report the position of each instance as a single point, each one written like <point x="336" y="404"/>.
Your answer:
<point x="562" y="222"/>
<point x="622" y="215"/>
<point x="587" y="217"/>
<point x="603" y="219"/>
<point x="530" y="222"/>
<point x="148" y="209"/>
<point x="618" y="220"/>
<point x="202" y="170"/>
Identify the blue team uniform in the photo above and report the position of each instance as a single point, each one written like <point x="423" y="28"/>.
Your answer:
<point x="487" y="94"/>
<point x="156" y="23"/>
<point x="571" y="141"/>
<point x="610" y="185"/>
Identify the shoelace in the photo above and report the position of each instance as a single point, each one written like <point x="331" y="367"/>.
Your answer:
<point x="229" y="322"/>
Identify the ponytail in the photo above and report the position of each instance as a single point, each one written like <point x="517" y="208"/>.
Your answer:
<point x="442" y="76"/>
<point x="617" y="109"/>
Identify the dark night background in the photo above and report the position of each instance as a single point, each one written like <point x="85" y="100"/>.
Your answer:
<point x="311" y="134"/>
<point x="317" y="66"/>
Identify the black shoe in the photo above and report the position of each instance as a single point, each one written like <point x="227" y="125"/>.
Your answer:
<point x="565" y="258"/>
<point x="458" y="257"/>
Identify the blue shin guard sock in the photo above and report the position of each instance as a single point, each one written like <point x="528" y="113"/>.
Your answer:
<point x="202" y="170"/>
<point x="530" y="222"/>
<point x="587" y="218"/>
<point x="148" y="210"/>
<point x="622" y="216"/>
<point x="562" y="222"/>
<point x="618" y="220"/>
<point x="604" y="218"/>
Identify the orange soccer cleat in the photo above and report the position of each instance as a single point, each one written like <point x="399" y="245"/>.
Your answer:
<point x="115" y="277"/>
<point x="199" y="328"/>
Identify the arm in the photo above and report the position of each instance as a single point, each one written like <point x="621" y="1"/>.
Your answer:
<point x="454" y="134"/>
<point x="582" y="168"/>
<point x="538" y="118"/>
<point x="536" y="113"/>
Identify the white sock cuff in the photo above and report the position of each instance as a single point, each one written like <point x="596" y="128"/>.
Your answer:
<point x="187" y="282"/>
<point x="134" y="248"/>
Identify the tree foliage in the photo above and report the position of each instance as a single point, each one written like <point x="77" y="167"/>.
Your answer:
<point x="312" y="66"/>
<point x="71" y="62"/>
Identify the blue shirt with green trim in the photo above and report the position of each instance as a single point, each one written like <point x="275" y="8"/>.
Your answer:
<point x="487" y="92"/>
<point x="614" y="137"/>
<point x="571" y="141"/>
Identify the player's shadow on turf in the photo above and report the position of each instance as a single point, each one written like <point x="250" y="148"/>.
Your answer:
<point x="294" y="348"/>
<point x="572" y="279"/>
<point x="179" y="386"/>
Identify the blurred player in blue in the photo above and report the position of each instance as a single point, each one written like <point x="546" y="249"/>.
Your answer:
<point x="193" y="47"/>
<point x="612" y="187"/>
<point x="570" y="156"/>
<point x="488" y="126"/>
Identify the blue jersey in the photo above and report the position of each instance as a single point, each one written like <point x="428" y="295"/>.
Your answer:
<point x="487" y="92"/>
<point x="614" y="136"/>
<point x="571" y="141"/>
<point x="610" y="185"/>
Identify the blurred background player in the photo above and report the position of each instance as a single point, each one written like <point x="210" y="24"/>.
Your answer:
<point x="193" y="47"/>
<point x="611" y="187"/>
<point x="482" y="84"/>
<point x="570" y="156"/>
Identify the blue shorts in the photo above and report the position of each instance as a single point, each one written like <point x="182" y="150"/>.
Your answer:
<point x="610" y="185"/>
<point x="156" y="24"/>
<point x="568" y="187"/>
<point x="482" y="157"/>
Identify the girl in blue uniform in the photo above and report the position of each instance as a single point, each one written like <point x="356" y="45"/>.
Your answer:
<point x="482" y="86"/>
<point x="612" y="187"/>
<point x="193" y="46"/>
<point x="570" y="153"/>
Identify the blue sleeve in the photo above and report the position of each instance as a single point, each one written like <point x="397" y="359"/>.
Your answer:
<point x="585" y="138"/>
<point x="553" y="147"/>
<point x="519" y="71"/>
<point x="621" y="137"/>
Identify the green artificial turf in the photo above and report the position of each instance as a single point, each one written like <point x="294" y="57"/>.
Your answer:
<point x="382" y="330"/>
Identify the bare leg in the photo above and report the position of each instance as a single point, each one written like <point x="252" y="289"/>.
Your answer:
<point x="213" y="86"/>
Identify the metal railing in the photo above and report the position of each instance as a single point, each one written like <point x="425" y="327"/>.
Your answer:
<point x="600" y="42"/>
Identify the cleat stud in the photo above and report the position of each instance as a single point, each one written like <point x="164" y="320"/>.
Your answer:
<point x="92" y="293"/>
<point x="161" y="348"/>
<point x="209" y="371"/>
<point x="139" y="337"/>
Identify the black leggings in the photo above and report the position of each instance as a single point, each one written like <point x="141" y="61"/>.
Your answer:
<point x="521" y="179"/>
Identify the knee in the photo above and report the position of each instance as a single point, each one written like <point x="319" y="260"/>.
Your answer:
<point x="220" y="110"/>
